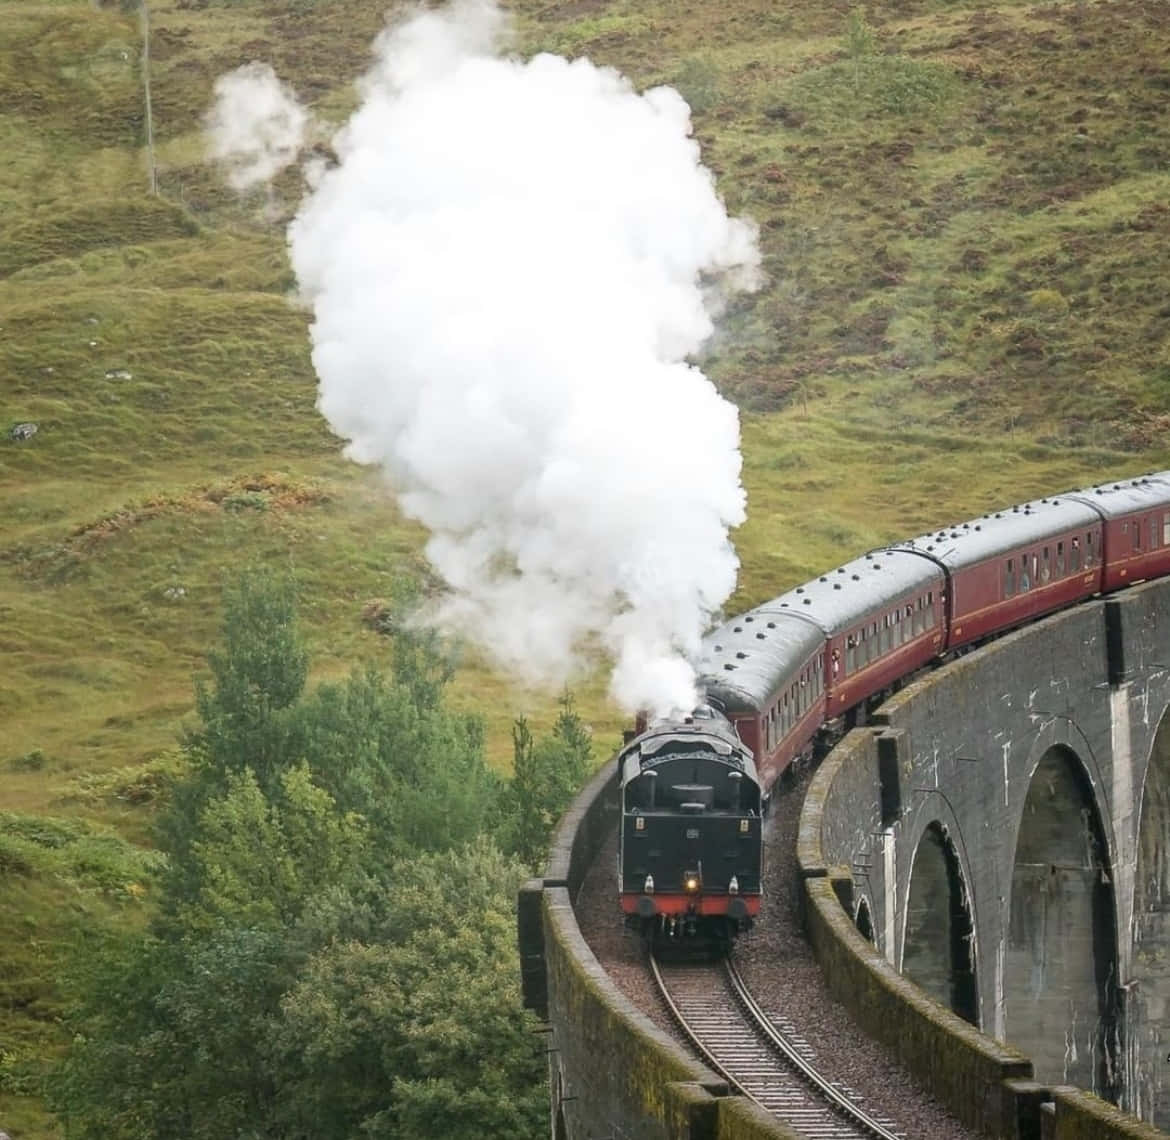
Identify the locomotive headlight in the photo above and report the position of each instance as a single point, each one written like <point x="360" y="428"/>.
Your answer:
<point x="691" y="882"/>
<point x="640" y="823"/>
<point x="744" y="826"/>
<point x="733" y="886"/>
<point x="648" y="885"/>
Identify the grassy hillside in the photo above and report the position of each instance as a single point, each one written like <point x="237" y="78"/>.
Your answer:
<point x="963" y="211"/>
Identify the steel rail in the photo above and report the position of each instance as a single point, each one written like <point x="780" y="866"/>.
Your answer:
<point x="741" y="1043"/>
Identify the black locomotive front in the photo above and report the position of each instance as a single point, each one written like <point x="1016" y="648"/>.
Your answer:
<point x="691" y="848"/>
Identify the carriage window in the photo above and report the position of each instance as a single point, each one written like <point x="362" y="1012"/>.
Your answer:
<point x="1025" y="577"/>
<point x="1060" y="559"/>
<point x="1074" y="555"/>
<point x="1166" y="530"/>
<point x="1153" y="532"/>
<point x="1045" y="573"/>
<point x="1137" y="534"/>
<point x="1009" y="578"/>
<point x="850" y="654"/>
<point x="1088" y="550"/>
<point x="928" y="613"/>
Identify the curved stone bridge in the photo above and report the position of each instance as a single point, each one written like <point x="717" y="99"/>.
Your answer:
<point x="1000" y="833"/>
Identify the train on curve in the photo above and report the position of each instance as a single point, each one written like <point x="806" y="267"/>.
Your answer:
<point x="802" y="668"/>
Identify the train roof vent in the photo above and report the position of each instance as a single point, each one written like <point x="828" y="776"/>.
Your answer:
<point x="808" y="601"/>
<point x="719" y="649"/>
<point x="728" y="666"/>
<point x="1015" y="510"/>
<point x="857" y="577"/>
<point x="1100" y="491"/>
<point x="869" y="555"/>
<point x="967" y="526"/>
<point x="931" y="546"/>
<point x="738" y="629"/>
<point x="822" y="579"/>
<point x="741" y="655"/>
<point x="998" y="515"/>
<point x="748" y="617"/>
<point x="877" y="565"/>
<point x="836" y="585"/>
<point x="978" y="527"/>
<point x="771" y="625"/>
<point x="840" y="569"/>
<point x="784" y="605"/>
<point x="760" y="636"/>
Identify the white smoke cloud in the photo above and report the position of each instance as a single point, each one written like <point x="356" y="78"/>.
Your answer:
<point x="508" y="269"/>
<point x="256" y="127"/>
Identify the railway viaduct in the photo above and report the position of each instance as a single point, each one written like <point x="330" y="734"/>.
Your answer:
<point x="999" y="836"/>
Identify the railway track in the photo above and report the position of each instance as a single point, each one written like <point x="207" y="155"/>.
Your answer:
<point x="763" y="1059"/>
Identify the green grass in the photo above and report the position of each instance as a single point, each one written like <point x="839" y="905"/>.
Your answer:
<point x="964" y="225"/>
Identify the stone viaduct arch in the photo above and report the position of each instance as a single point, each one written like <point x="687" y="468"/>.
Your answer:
<point x="1060" y="959"/>
<point x="1148" y="1039"/>
<point x="863" y="919"/>
<point x="938" y="943"/>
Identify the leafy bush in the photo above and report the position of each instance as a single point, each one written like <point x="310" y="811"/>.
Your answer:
<point x="697" y="81"/>
<point x="873" y="85"/>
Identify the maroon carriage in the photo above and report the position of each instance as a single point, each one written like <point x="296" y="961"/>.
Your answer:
<point x="1014" y="565"/>
<point x="1136" y="527"/>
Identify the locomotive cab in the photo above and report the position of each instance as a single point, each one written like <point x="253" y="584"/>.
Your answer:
<point x="691" y="849"/>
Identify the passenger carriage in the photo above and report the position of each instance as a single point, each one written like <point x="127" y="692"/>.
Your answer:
<point x="1136" y="527"/>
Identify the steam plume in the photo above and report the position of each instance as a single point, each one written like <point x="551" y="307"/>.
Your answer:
<point x="508" y="269"/>
<point x="256" y="127"/>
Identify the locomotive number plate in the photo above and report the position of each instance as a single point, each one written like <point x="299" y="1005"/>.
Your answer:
<point x="692" y="833"/>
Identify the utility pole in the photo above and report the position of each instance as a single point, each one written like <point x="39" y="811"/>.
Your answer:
<point x="145" y="9"/>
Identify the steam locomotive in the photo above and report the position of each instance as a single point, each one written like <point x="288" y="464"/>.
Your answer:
<point x="799" y="670"/>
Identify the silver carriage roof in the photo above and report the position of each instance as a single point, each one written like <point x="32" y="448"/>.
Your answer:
<point x="1146" y="492"/>
<point x="744" y="670"/>
<point x="702" y="730"/>
<point x="1000" y="532"/>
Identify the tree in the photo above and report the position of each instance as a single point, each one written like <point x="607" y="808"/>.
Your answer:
<point x="389" y="750"/>
<point x="547" y="774"/>
<point x="246" y="716"/>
